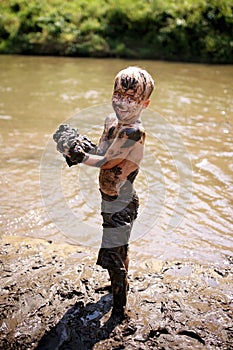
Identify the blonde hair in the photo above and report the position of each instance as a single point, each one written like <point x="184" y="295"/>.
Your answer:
<point x="137" y="79"/>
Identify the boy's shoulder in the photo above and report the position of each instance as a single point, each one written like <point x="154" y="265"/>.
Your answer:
<point x="111" y="119"/>
<point x="134" y="132"/>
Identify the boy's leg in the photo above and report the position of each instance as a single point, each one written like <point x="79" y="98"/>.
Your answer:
<point x="115" y="260"/>
<point x="119" y="283"/>
<point x="113" y="255"/>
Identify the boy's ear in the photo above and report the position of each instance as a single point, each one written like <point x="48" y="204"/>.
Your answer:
<point x="146" y="103"/>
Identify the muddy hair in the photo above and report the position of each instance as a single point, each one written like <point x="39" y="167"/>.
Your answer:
<point x="135" y="78"/>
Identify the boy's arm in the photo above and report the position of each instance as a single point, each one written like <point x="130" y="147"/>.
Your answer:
<point x="104" y="142"/>
<point x="112" y="157"/>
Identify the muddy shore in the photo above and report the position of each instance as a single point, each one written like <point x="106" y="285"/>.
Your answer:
<point x="53" y="296"/>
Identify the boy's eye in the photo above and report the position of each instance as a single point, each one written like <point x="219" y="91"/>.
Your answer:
<point x="117" y="95"/>
<point x="130" y="98"/>
<point x="127" y="97"/>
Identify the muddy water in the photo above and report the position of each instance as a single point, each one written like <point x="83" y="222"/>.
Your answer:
<point x="185" y="183"/>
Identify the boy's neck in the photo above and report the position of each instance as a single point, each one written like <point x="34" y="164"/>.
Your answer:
<point x="132" y="122"/>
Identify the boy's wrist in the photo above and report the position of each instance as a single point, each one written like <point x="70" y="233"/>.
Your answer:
<point x="86" y="157"/>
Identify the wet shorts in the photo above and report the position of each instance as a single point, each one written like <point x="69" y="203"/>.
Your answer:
<point x="113" y="258"/>
<point x="118" y="215"/>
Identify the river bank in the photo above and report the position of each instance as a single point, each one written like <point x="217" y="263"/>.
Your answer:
<point x="187" y="31"/>
<point x="52" y="298"/>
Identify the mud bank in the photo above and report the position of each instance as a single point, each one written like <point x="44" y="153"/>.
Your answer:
<point x="53" y="297"/>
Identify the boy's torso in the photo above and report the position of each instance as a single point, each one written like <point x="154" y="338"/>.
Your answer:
<point x="111" y="180"/>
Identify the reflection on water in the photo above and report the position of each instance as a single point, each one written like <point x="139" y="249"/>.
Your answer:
<point x="186" y="173"/>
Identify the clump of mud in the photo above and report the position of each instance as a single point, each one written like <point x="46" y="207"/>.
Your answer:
<point x="55" y="297"/>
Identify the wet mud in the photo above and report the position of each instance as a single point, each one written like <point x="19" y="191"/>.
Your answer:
<point x="54" y="296"/>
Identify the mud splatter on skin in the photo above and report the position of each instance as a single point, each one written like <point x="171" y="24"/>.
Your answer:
<point x="111" y="180"/>
<point x="129" y="83"/>
<point x="111" y="132"/>
<point x="133" y="135"/>
<point x="137" y="85"/>
<point x="116" y="171"/>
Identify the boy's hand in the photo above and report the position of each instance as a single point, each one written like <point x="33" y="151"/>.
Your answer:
<point x="67" y="137"/>
<point x="76" y="154"/>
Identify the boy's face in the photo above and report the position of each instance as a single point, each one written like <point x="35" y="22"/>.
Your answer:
<point x="128" y="103"/>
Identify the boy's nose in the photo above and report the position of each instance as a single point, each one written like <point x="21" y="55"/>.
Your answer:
<point x="124" y="99"/>
<point x="122" y="104"/>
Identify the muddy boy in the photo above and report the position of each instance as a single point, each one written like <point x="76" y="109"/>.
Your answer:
<point x="118" y="155"/>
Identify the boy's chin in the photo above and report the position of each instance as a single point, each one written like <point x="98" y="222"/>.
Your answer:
<point x="127" y="120"/>
<point x="124" y="116"/>
<point x="121" y="116"/>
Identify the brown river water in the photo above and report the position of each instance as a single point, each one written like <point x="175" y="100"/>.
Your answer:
<point x="185" y="182"/>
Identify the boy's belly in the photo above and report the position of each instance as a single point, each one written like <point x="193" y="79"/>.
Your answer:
<point x="111" y="180"/>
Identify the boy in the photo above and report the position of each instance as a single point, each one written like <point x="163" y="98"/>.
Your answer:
<point x="118" y="156"/>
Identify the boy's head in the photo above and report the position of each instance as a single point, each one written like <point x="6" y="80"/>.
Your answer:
<point x="132" y="89"/>
<point x="136" y="79"/>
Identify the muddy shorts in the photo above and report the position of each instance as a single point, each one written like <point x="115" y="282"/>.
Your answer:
<point x="118" y="215"/>
<point x="113" y="258"/>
